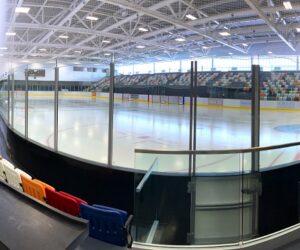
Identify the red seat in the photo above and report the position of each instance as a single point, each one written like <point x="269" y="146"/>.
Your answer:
<point x="64" y="202"/>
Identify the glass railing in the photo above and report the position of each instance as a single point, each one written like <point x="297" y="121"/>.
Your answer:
<point x="214" y="197"/>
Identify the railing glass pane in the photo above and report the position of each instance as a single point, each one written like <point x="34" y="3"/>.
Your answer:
<point x="41" y="102"/>
<point x="162" y="202"/>
<point x="18" y="97"/>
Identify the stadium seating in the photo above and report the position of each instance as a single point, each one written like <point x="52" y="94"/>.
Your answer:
<point x="35" y="188"/>
<point x="108" y="224"/>
<point x="2" y="174"/>
<point x="284" y="86"/>
<point x="105" y="223"/>
<point x="64" y="202"/>
<point x="13" y="175"/>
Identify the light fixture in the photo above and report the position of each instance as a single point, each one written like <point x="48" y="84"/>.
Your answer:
<point x="287" y="5"/>
<point x="224" y="33"/>
<point x="107" y="54"/>
<point x="180" y="39"/>
<point x="230" y="53"/>
<point x="92" y="18"/>
<point x="143" y="29"/>
<point x="105" y="41"/>
<point x="270" y="52"/>
<point x="64" y="36"/>
<point x="22" y="10"/>
<point x="42" y="49"/>
<point x="245" y="44"/>
<point x="298" y="29"/>
<point x="3" y="48"/>
<point x="191" y="17"/>
<point x="226" y="28"/>
<point x="10" y="33"/>
<point x="77" y="51"/>
<point x="204" y="47"/>
<point x="140" y="46"/>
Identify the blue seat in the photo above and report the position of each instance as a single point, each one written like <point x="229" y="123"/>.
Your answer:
<point x="108" y="224"/>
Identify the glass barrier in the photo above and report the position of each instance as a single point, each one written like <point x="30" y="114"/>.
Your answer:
<point x="145" y="116"/>
<point x="18" y="99"/>
<point x="226" y="199"/>
<point x="41" y="103"/>
<point x="161" y="201"/>
<point x="82" y="112"/>
<point x="4" y="98"/>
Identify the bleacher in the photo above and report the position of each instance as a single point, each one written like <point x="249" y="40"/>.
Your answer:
<point x="105" y="223"/>
<point x="274" y="85"/>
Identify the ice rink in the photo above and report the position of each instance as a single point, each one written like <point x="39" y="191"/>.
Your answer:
<point x="83" y="132"/>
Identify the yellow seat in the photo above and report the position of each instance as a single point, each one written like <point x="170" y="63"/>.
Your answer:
<point x="34" y="188"/>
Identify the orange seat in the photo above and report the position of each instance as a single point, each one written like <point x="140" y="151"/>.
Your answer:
<point x="44" y="185"/>
<point x="33" y="188"/>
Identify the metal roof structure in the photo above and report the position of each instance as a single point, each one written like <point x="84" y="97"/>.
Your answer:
<point x="148" y="30"/>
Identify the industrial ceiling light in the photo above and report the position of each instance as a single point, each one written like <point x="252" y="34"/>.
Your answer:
<point x="3" y="48"/>
<point x="143" y="29"/>
<point x="64" y="36"/>
<point x="10" y="33"/>
<point x="92" y="18"/>
<point x="105" y="41"/>
<point x="224" y="33"/>
<point x="204" y="47"/>
<point x="298" y="29"/>
<point x="245" y="44"/>
<point x="180" y="39"/>
<point x="77" y="51"/>
<point x="230" y="53"/>
<point x="107" y="54"/>
<point x="42" y="49"/>
<point x="287" y="5"/>
<point x="140" y="46"/>
<point x="191" y="17"/>
<point x="22" y="10"/>
<point x="270" y="52"/>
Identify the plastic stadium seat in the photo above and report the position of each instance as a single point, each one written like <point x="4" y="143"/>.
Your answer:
<point x="13" y="176"/>
<point x="2" y="174"/>
<point x="64" y="202"/>
<point x="44" y="185"/>
<point x="78" y="200"/>
<point x="33" y="188"/>
<point x="107" y="224"/>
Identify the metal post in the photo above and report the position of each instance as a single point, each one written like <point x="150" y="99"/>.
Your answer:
<point x="255" y="122"/>
<point x="111" y="113"/>
<point x="12" y="99"/>
<point x="191" y="117"/>
<point x="56" y="79"/>
<point x="195" y="117"/>
<point x="26" y="103"/>
<point x="255" y="115"/>
<point x="8" y="99"/>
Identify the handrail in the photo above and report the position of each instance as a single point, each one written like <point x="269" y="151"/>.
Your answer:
<point x="214" y="152"/>
<point x="146" y="176"/>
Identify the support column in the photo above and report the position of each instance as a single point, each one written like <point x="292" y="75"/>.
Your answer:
<point x="111" y="113"/>
<point x="56" y="79"/>
<point x="12" y="99"/>
<point x="26" y="103"/>
<point x="255" y="115"/>
<point x="255" y="131"/>
<point x="8" y="99"/>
